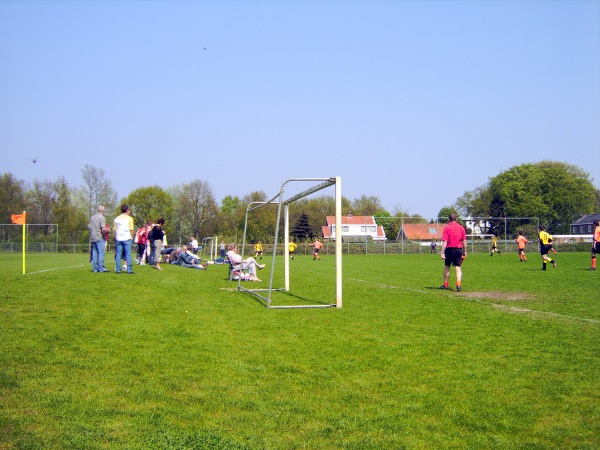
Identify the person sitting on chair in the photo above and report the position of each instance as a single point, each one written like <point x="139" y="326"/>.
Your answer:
<point x="248" y="263"/>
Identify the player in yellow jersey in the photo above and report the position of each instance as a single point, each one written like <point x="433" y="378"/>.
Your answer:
<point x="521" y="243"/>
<point x="292" y="248"/>
<point x="545" y="245"/>
<point x="258" y="250"/>
<point x="595" y="244"/>
<point x="494" y="246"/>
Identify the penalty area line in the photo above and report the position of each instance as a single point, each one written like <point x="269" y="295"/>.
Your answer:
<point x="58" y="268"/>
<point x="387" y="286"/>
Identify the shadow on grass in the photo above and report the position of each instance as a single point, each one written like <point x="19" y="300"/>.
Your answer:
<point x="295" y="300"/>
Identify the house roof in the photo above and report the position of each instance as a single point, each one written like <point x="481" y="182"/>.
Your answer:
<point x="352" y="220"/>
<point x="588" y="218"/>
<point x="418" y="231"/>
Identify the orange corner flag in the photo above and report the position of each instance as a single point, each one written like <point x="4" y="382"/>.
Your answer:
<point x="19" y="219"/>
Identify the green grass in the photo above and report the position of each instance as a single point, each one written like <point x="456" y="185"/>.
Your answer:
<point x="179" y="359"/>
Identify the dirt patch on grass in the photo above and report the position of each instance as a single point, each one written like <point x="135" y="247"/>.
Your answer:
<point x="510" y="296"/>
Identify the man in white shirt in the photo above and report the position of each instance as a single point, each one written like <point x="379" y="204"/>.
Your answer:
<point x="124" y="232"/>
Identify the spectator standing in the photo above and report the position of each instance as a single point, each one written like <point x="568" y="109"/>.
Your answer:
<point x="142" y="239"/>
<point x="124" y="232"/>
<point x="98" y="233"/>
<point x="194" y="245"/>
<point x="156" y="237"/>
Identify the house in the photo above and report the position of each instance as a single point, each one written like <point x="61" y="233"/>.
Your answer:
<point x="585" y="225"/>
<point x="421" y="231"/>
<point x="354" y="229"/>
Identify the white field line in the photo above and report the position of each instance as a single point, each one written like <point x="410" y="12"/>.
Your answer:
<point x="387" y="286"/>
<point x="482" y="302"/>
<point x="59" y="268"/>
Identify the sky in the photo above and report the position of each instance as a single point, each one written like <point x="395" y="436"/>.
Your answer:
<point x="414" y="102"/>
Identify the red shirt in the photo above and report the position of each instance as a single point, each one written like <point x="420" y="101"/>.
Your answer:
<point x="141" y="235"/>
<point x="454" y="234"/>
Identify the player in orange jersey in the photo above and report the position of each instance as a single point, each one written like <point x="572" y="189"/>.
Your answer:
<point x="521" y="243"/>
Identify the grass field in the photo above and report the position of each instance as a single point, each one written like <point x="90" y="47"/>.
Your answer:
<point x="179" y="359"/>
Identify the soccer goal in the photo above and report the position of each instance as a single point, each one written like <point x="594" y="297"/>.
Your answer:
<point x="283" y="203"/>
<point x="210" y="247"/>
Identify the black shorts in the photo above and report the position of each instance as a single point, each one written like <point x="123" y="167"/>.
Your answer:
<point x="545" y="248"/>
<point x="595" y="248"/>
<point x="453" y="257"/>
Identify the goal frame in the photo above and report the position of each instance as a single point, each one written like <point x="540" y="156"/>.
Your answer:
<point x="283" y="208"/>
<point x="213" y="242"/>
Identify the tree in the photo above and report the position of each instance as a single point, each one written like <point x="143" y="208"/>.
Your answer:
<point x="261" y="221"/>
<point x="72" y="220"/>
<point x="96" y="190"/>
<point x="230" y="215"/>
<point x="41" y="199"/>
<point x="195" y="209"/>
<point x="366" y="205"/>
<point x="556" y="192"/>
<point x="12" y="197"/>
<point x="151" y="203"/>
<point x="302" y="229"/>
<point x="390" y="226"/>
<point x="445" y="212"/>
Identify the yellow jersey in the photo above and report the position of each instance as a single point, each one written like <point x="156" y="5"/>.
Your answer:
<point x="545" y="237"/>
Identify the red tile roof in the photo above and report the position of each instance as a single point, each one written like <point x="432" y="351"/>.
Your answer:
<point x="420" y="231"/>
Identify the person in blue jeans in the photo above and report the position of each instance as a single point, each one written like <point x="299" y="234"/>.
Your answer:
<point x="124" y="231"/>
<point x="98" y="231"/>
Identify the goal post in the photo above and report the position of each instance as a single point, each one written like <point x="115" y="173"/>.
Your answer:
<point x="283" y="212"/>
<point x="209" y="246"/>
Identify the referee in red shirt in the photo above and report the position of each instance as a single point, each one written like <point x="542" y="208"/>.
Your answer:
<point x="454" y="250"/>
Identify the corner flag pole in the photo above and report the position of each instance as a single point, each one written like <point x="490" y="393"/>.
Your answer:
<point x="21" y="219"/>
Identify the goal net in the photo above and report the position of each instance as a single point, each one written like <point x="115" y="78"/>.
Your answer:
<point x="282" y="203"/>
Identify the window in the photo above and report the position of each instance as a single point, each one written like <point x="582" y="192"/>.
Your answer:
<point x="368" y="229"/>
<point x="345" y="228"/>
<point x="589" y="228"/>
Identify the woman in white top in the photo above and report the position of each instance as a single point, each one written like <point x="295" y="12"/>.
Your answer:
<point x="248" y="263"/>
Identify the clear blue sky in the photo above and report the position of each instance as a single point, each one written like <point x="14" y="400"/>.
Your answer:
<point x="414" y="102"/>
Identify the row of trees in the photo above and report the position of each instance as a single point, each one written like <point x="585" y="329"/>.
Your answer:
<point x="189" y="209"/>
<point x="557" y="193"/>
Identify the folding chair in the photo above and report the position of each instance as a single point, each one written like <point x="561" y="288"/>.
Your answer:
<point x="236" y="270"/>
